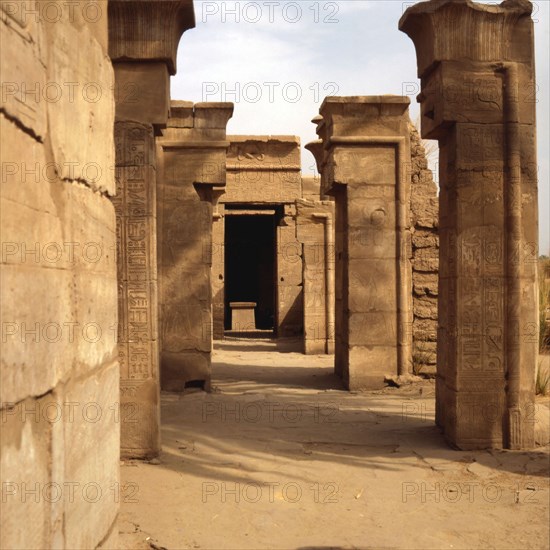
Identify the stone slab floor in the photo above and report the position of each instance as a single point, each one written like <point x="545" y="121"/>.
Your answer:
<point x="279" y="456"/>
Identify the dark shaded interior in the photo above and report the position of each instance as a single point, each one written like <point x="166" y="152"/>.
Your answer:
<point x="250" y="266"/>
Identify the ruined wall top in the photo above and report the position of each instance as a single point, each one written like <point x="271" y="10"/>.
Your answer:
<point x="186" y="114"/>
<point x="467" y="30"/>
<point x="146" y="30"/>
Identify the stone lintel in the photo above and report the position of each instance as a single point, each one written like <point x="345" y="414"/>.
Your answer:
<point x="438" y="29"/>
<point x="250" y="212"/>
<point x="143" y="30"/>
<point x="264" y="153"/>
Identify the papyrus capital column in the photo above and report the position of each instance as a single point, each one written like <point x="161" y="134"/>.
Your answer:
<point x="365" y="167"/>
<point x="476" y="64"/>
<point x="143" y="39"/>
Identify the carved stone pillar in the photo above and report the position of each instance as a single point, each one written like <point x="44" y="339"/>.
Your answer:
<point x="143" y="39"/>
<point x="315" y="232"/>
<point x="192" y="156"/>
<point x="478" y="102"/>
<point x="365" y="166"/>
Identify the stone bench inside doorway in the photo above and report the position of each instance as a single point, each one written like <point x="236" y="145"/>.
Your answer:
<point x="242" y="316"/>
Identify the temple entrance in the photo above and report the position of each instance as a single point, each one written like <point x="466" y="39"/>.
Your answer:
<point x="250" y="271"/>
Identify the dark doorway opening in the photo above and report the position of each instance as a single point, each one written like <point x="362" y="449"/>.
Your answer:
<point x="250" y="266"/>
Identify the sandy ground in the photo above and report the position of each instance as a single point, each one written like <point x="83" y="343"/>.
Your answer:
<point x="279" y="456"/>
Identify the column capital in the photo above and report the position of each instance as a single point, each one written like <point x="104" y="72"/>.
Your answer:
<point x="350" y="126"/>
<point x="316" y="149"/>
<point x="465" y="30"/>
<point x="197" y="132"/>
<point x="463" y="79"/>
<point x="147" y="30"/>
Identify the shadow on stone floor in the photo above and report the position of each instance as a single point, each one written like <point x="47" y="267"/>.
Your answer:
<point x="270" y="411"/>
<point x="237" y="437"/>
<point x="253" y="342"/>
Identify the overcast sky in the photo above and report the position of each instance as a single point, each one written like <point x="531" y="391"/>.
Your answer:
<point x="278" y="60"/>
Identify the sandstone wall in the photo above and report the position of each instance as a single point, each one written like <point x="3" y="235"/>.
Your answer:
<point x="191" y="156"/>
<point x="364" y="166"/>
<point x="59" y="376"/>
<point x="314" y="221"/>
<point x="488" y="222"/>
<point x="424" y="210"/>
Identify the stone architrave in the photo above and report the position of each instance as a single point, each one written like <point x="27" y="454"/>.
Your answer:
<point x="192" y="156"/>
<point x="143" y="39"/>
<point x="364" y="166"/>
<point x="478" y="100"/>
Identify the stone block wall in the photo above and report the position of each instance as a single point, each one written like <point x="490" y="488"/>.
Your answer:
<point x="424" y="211"/>
<point x="59" y="377"/>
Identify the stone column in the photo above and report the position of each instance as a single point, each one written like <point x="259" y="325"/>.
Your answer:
<point x="143" y="40"/>
<point x="365" y="166"/>
<point x="478" y="101"/>
<point x="315" y="231"/>
<point x="192" y="156"/>
<point x="289" y="306"/>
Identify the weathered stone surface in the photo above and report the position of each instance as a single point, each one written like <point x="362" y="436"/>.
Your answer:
<point x="315" y="230"/>
<point x="311" y="189"/>
<point x="366" y="152"/>
<point x="426" y="260"/>
<point x="425" y="308"/>
<point x="137" y="275"/>
<point x="143" y="31"/>
<point x="192" y="153"/>
<point x="488" y="214"/>
<point x="425" y="239"/>
<point x="425" y="284"/>
<point x="95" y="467"/>
<point x="26" y="466"/>
<point x="59" y="358"/>
<point x="142" y="92"/>
<point x="20" y="38"/>
<point x="91" y="157"/>
<point x="263" y="169"/>
<point x="143" y="41"/>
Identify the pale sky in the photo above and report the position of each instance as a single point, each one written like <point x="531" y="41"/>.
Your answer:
<point x="277" y="60"/>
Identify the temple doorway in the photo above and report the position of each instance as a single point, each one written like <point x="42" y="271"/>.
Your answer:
<point x="250" y="271"/>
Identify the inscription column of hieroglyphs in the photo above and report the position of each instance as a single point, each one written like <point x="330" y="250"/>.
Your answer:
<point x="143" y="40"/>
<point x="478" y="101"/>
<point x="366" y="167"/>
